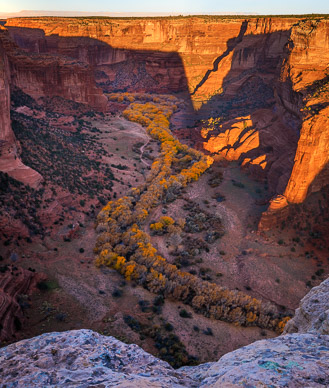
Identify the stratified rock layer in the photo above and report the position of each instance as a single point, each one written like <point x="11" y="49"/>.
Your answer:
<point x="38" y="76"/>
<point x="170" y="53"/>
<point x="6" y="133"/>
<point x="50" y="75"/>
<point x="308" y="69"/>
<point x="277" y="212"/>
<point x="14" y="283"/>
<point x="10" y="162"/>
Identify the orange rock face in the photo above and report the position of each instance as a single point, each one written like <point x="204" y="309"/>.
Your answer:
<point x="6" y="133"/>
<point x="276" y="213"/>
<point x="46" y="75"/>
<point x="307" y="67"/>
<point x="170" y="53"/>
<point x="309" y="71"/>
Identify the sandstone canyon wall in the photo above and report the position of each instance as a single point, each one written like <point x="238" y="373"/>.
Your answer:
<point x="6" y="132"/>
<point x="174" y="52"/>
<point x="39" y="76"/>
<point x="49" y="75"/>
<point x="309" y="71"/>
<point x="15" y="285"/>
<point x="10" y="162"/>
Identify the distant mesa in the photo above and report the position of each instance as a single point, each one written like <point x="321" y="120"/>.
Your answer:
<point x="27" y="13"/>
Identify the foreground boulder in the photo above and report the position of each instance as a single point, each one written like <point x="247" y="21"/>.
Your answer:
<point x="295" y="360"/>
<point x="312" y="316"/>
<point x="83" y="358"/>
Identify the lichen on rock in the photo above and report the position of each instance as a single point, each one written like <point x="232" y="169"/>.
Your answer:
<point x="84" y="358"/>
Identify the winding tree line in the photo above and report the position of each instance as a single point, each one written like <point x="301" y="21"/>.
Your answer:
<point x="122" y="245"/>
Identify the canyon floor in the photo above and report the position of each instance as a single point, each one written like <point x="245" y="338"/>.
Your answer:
<point x="278" y="266"/>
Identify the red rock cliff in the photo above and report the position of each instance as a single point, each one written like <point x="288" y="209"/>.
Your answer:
<point x="309" y="70"/>
<point x="307" y="67"/>
<point x="38" y="76"/>
<point x="6" y="133"/>
<point x="49" y="75"/>
<point x="173" y="52"/>
<point x="10" y="162"/>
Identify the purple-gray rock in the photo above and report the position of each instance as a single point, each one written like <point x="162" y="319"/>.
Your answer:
<point x="83" y="358"/>
<point x="312" y="316"/>
<point x="293" y="360"/>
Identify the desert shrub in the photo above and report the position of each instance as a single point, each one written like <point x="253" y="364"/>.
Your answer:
<point x="208" y="331"/>
<point x="42" y="286"/>
<point x="117" y="293"/>
<point x="169" y="346"/>
<point x="184" y="314"/>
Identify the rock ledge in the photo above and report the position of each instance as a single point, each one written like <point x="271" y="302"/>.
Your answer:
<point x="83" y="358"/>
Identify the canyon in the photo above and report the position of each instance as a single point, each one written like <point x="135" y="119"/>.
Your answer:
<point x="250" y="94"/>
<point x="274" y="132"/>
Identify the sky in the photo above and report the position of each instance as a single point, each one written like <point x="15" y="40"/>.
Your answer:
<point x="175" y="6"/>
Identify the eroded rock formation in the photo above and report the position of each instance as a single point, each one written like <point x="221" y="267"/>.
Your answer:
<point x="287" y="143"/>
<point x="10" y="162"/>
<point x="307" y="67"/>
<point x="309" y="71"/>
<point x="15" y="283"/>
<point x="195" y="45"/>
<point x="38" y="76"/>
<point x="49" y="75"/>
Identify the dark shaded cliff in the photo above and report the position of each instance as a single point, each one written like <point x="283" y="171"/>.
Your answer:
<point x="10" y="162"/>
<point x="38" y="76"/>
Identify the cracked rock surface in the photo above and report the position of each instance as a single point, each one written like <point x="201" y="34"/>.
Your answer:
<point x="83" y="358"/>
